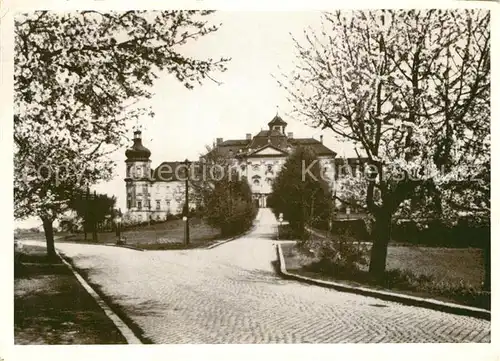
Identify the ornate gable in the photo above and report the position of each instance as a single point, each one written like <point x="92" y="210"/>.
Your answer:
<point x="267" y="150"/>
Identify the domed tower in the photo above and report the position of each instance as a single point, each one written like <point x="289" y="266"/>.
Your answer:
<point x="138" y="177"/>
<point x="277" y="124"/>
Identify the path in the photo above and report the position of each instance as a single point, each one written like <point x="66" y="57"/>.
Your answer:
<point x="231" y="294"/>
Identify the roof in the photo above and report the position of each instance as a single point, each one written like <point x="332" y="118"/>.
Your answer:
<point x="235" y="142"/>
<point x="265" y="137"/>
<point x="351" y="161"/>
<point x="234" y="147"/>
<point x="137" y="151"/>
<point x="173" y="171"/>
<point x="318" y="147"/>
<point x="277" y="121"/>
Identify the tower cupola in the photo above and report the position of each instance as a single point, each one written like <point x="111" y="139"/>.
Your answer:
<point x="137" y="151"/>
<point x="277" y="124"/>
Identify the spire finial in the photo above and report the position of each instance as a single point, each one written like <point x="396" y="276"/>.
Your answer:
<point x="277" y="109"/>
<point x="137" y="127"/>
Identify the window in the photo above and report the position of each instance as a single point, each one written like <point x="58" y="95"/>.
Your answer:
<point x="139" y="205"/>
<point x="269" y="181"/>
<point x="269" y="168"/>
<point x="129" y="204"/>
<point x="255" y="167"/>
<point x="158" y="205"/>
<point x="139" y="217"/>
<point x="138" y="171"/>
<point x="243" y="167"/>
<point x="256" y="181"/>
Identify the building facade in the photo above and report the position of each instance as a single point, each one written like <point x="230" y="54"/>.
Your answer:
<point x="259" y="158"/>
<point x="151" y="194"/>
<point x="154" y="193"/>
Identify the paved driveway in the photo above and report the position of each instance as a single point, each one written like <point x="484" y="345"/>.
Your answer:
<point x="231" y="294"/>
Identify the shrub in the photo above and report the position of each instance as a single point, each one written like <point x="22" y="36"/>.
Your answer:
<point x="353" y="228"/>
<point x="240" y="219"/>
<point x="303" y="199"/>
<point x="229" y="206"/>
<point x="339" y="251"/>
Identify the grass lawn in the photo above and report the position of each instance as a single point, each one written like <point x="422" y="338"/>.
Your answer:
<point x="31" y="236"/>
<point x="166" y="235"/>
<point x="51" y="306"/>
<point x="35" y="255"/>
<point x="449" y="265"/>
<point x="447" y="274"/>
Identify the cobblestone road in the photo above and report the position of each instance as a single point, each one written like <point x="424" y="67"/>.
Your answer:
<point x="231" y="294"/>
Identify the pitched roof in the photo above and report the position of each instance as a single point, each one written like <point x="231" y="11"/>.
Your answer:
<point x="173" y="171"/>
<point x="264" y="137"/>
<point x="318" y="147"/>
<point x="230" y="147"/>
<point x="273" y="137"/>
<point x="235" y="142"/>
<point x="352" y="161"/>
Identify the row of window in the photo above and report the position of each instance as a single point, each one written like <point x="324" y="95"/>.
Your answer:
<point x="256" y="167"/>
<point x="137" y="171"/>
<point x="147" y="204"/>
<point x="140" y="218"/>
<point x="257" y="181"/>
<point x="145" y="190"/>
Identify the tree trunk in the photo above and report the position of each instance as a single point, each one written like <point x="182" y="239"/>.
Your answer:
<point x="94" y="232"/>
<point x="49" y="237"/>
<point x="487" y="266"/>
<point x="312" y="211"/>
<point x="380" y="237"/>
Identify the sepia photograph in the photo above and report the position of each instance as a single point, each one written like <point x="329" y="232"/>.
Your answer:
<point x="251" y="177"/>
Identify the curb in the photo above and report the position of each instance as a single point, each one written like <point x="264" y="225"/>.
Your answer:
<point x="125" y="246"/>
<point x="387" y="296"/>
<point x="220" y="243"/>
<point x="122" y="327"/>
<point x="236" y="237"/>
<point x="42" y="265"/>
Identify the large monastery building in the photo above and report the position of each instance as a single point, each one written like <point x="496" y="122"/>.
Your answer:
<point x="154" y="193"/>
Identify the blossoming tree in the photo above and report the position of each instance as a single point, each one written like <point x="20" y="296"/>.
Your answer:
<point x="410" y="90"/>
<point x="77" y="76"/>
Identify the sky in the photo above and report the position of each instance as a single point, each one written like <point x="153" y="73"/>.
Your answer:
<point x="260" y="45"/>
